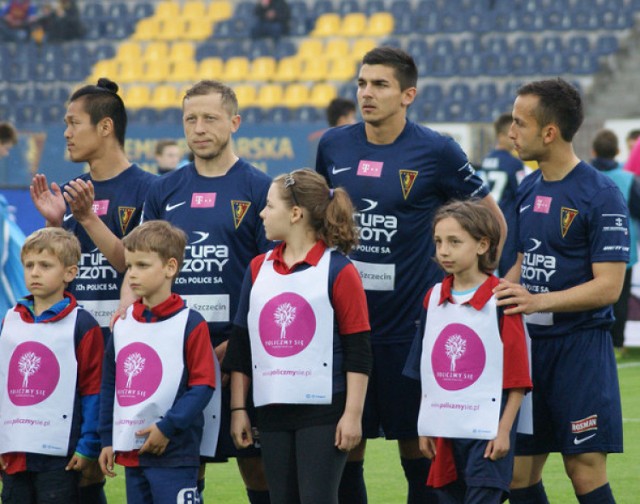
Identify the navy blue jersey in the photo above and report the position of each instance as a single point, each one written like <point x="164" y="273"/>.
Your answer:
<point x="396" y="189"/>
<point x="221" y="218"/>
<point x="563" y="228"/>
<point x="503" y="172"/>
<point x="118" y="202"/>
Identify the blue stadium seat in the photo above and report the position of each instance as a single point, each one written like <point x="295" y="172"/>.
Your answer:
<point x="143" y="116"/>
<point x="523" y="64"/>
<point x="495" y="64"/>
<point x="170" y="116"/>
<point x="142" y="10"/>
<point x="299" y="9"/>
<point x="607" y="44"/>
<point x="486" y="91"/>
<point x="393" y="42"/>
<point x="404" y="23"/>
<point x="481" y="110"/>
<point x="284" y="49"/>
<point x="496" y="44"/>
<point x="8" y="112"/>
<point x="44" y="72"/>
<point x="322" y="7"/>
<point x="612" y="19"/>
<point x="8" y="96"/>
<point x="578" y="44"/>
<point x="582" y="64"/>
<point x="94" y="30"/>
<point x="551" y="64"/>
<point x="511" y="89"/>
<point x="53" y="112"/>
<point x="479" y="22"/>
<point x="348" y="6"/>
<point x="427" y="22"/>
<point x="223" y="29"/>
<point x="76" y="53"/>
<point x="19" y="72"/>
<point x="252" y="115"/>
<point x="260" y="47"/>
<point x="585" y="19"/>
<point x="117" y="29"/>
<point x="244" y="10"/>
<point x="469" y="65"/>
<point x="92" y="11"/>
<point x="470" y="45"/>
<point x="555" y="19"/>
<point x="28" y="114"/>
<point x="417" y="47"/>
<point x="451" y="22"/>
<point x="399" y="7"/>
<point x="431" y="92"/>
<point x="278" y="115"/>
<point x="308" y="114"/>
<point x="208" y="50"/>
<point x="524" y="45"/>
<point x="118" y="10"/>
<point x="443" y="65"/>
<point x="103" y="51"/>
<point x="373" y="7"/>
<point x="424" y="63"/>
<point x="459" y="92"/>
<point x="443" y="47"/>
<point x="551" y="44"/>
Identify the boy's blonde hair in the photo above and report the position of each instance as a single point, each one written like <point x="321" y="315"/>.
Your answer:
<point x="57" y="241"/>
<point x="160" y="237"/>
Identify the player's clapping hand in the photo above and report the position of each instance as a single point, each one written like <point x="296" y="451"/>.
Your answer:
<point x="156" y="442"/>
<point x="515" y="297"/>
<point x="80" y="194"/>
<point x="49" y="202"/>
<point x="427" y="446"/>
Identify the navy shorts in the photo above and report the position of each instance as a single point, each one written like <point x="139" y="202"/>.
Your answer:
<point x="576" y="397"/>
<point x="29" y="487"/>
<point x="393" y="400"/>
<point x="161" y="485"/>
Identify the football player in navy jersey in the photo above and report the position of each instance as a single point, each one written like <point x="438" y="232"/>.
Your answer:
<point x="99" y="207"/>
<point x="573" y="245"/>
<point x="216" y="200"/>
<point x="503" y="172"/>
<point x="397" y="174"/>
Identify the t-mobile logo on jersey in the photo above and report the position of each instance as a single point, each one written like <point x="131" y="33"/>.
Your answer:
<point x="370" y="168"/>
<point x="100" y="207"/>
<point x="203" y="200"/>
<point x="542" y="204"/>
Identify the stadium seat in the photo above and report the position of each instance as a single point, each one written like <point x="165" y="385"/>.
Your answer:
<point x="468" y="65"/>
<point x="155" y="51"/>
<point x="346" y="7"/>
<point x="310" y="48"/>
<point x="321" y="94"/>
<point x="198" y="29"/>
<point x="443" y="47"/>
<point x="321" y="7"/>
<point x="470" y="45"/>
<point x="361" y="47"/>
<point x="337" y="48"/>
<point x="372" y="7"/>
<point x="93" y="11"/>
<point x="129" y="50"/>
<point x="315" y="70"/>
<point x="278" y="115"/>
<point x="194" y="9"/>
<point x="252" y="115"/>
<point x="578" y="44"/>
<point x="117" y="29"/>
<point x="379" y="25"/>
<point x="262" y="69"/>
<point x="246" y="95"/>
<point x="182" y="70"/>
<point x="496" y="45"/>
<point x="167" y="9"/>
<point x="180" y="51"/>
<point x="284" y="49"/>
<point x="342" y="69"/>
<point x="28" y="114"/>
<point x="270" y="95"/>
<point x="307" y="114"/>
<point x="137" y="97"/>
<point x="169" y="115"/>
<point x="288" y="70"/>
<point x="52" y="112"/>
<point x="236" y="69"/>
<point x="486" y="91"/>
<point x="295" y="95"/>
<point x="495" y="64"/>
<point x="130" y="71"/>
<point x="327" y="25"/>
<point x="442" y="66"/>
<point x="399" y="7"/>
<point x="551" y="64"/>
<point x="147" y="29"/>
<point x="171" y="29"/>
<point x="551" y="44"/>
<point x="211" y="68"/>
<point x="431" y="92"/>
<point x="606" y="44"/>
<point x="417" y="47"/>
<point x="524" y="45"/>
<point x="141" y="10"/>
<point x="244" y="8"/>
<point x="220" y="10"/>
<point x="144" y="116"/>
<point x="582" y="64"/>
<point x="164" y="96"/>
<point x="103" y="68"/>
<point x="76" y="53"/>
<point x="459" y="92"/>
<point x="260" y="48"/>
<point x="523" y="64"/>
<point x="118" y="10"/>
<point x="103" y="51"/>
<point x="404" y="24"/>
<point x="353" y="25"/>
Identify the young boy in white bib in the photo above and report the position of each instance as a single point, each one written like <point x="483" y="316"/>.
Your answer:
<point x="472" y="361"/>
<point x="159" y="376"/>
<point x="50" y="368"/>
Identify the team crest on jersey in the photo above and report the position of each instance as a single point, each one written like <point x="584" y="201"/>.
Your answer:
<point x="567" y="216"/>
<point x="124" y="214"/>
<point x="407" y="179"/>
<point x="239" y="209"/>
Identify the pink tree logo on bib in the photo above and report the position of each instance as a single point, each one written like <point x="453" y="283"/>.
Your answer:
<point x="287" y="325"/>
<point x="33" y="374"/>
<point x="458" y="357"/>
<point x="138" y="374"/>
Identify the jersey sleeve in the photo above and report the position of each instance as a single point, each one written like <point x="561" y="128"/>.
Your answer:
<point x="89" y="354"/>
<point x="350" y="302"/>
<point x="457" y="178"/>
<point x="199" y="353"/>
<point x="321" y="165"/>
<point x="262" y="243"/>
<point x="609" y="227"/>
<point x="515" y="354"/>
<point x="151" y="207"/>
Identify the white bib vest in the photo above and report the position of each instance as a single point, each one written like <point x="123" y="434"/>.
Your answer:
<point x="38" y="375"/>
<point x="148" y="373"/>
<point x="461" y="371"/>
<point x="291" y="331"/>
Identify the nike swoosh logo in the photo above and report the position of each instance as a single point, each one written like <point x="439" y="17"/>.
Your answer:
<point x="335" y="170"/>
<point x="522" y="209"/>
<point x="577" y="441"/>
<point x="67" y="217"/>
<point x="169" y="207"/>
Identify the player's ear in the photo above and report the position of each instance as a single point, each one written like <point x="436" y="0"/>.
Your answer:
<point x="172" y="267"/>
<point x="483" y="245"/>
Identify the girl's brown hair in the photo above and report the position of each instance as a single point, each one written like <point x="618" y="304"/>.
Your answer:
<point x="330" y="210"/>
<point x="477" y="220"/>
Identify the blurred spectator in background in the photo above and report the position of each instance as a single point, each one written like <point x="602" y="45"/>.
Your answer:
<point x="61" y="22"/>
<point x="168" y="155"/>
<point x="16" y="20"/>
<point x="605" y="149"/>
<point x="12" y="286"/>
<point x="633" y="161"/>
<point x="632" y="138"/>
<point x="271" y="19"/>
<point x="341" y="111"/>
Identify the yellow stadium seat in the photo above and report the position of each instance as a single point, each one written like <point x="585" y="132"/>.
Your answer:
<point x="155" y="51"/>
<point x="337" y="48"/>
<point x="220" y="10"/>
<point x="327" y="25"/>
<point x="181" y="51"/>
<point x="295" y="95"/>
<point x="167" y="10"/>
<point x="194" y="10"/>
<point x="310" y="48"/>
<point x="164" y="96"/>
<point x="380" y="24"/>
<point x="146" y="29"/>
<point x="342" y="69"/>
<point x="129" y="50"/>
<point x="129" y="72"/>
<point x="270" y="95"/>
<point x="246" y="95"/>
<point x="315" y="70"/>
<point x="288" y="70"/>
<point x="211" y="68"/>
<point x="137" y="97"/>
<point x="172" y="29"/>
<point x="198" y="29"/>
<point x="156" y="71"/>
<point x="353" y="24"/>
<point x="361" y="47"/>
<point x="183" y="71"/>
<point x="262" y="69"/>
<point x="236" y="69"/>
<point x="321" y="94"/>
<point x="103" y="68"/>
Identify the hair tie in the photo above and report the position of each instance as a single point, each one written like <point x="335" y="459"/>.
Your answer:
<point x="330" y="194"/>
